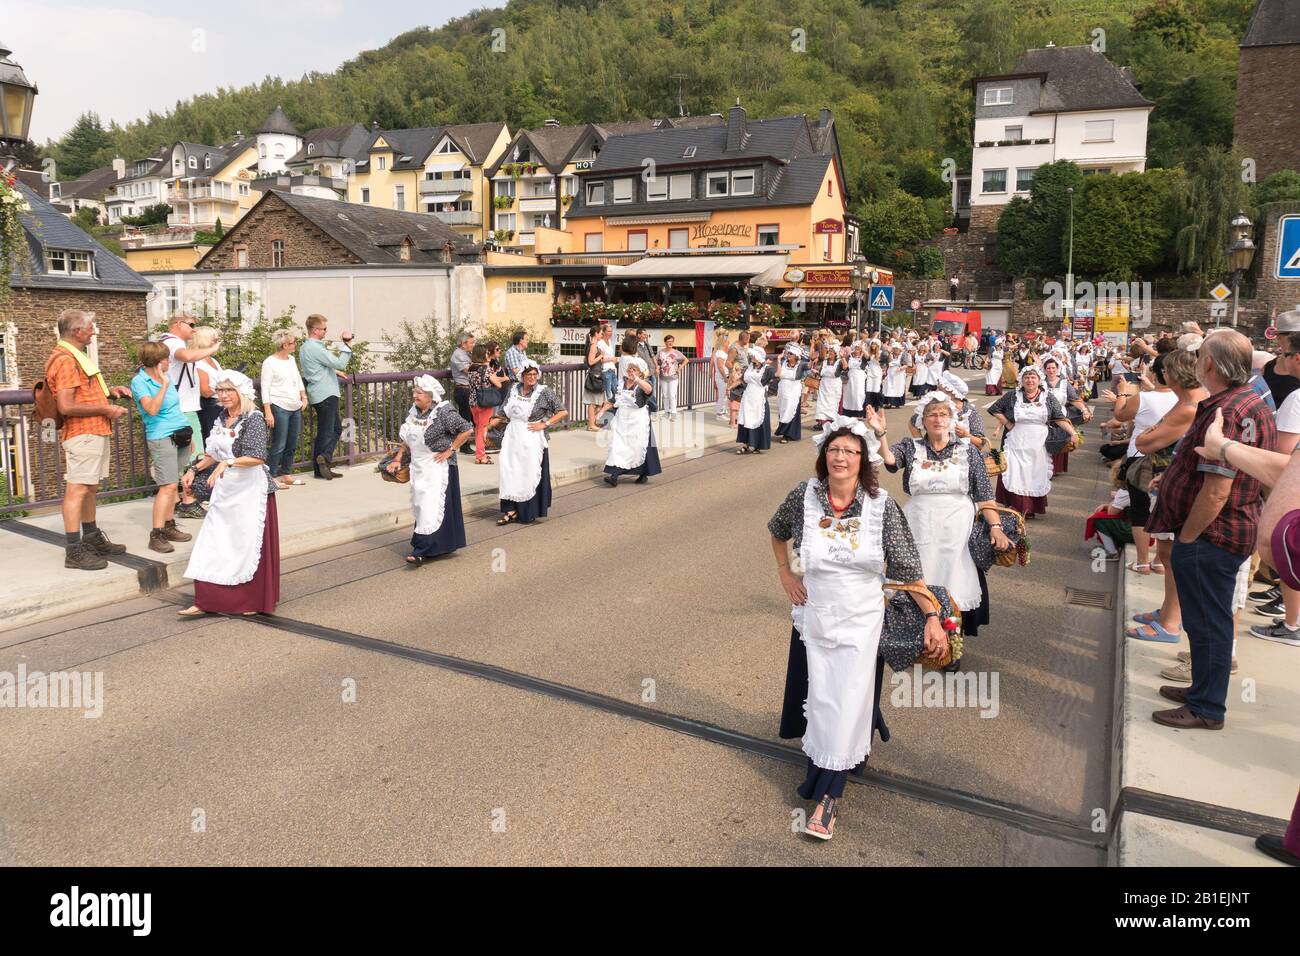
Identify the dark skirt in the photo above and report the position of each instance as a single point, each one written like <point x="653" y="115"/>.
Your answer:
<point x="875" y="400"/>
<point x="262" y="593"/>
<point x="649" y="467"/>
<point x="919" y="390"/>
<point x="992" y="389"/>
<point x="971" y="620"/>
<point x="894" y="401"/>
<point x="1060" y="463"/>
<point x="853" y="413"/>
<point x="817" y="781"/>
<point x="1026" y="505"/>
<point x="536" y="506"/>
<point x="450" y="535"/>
<point x="760" y="438"/>
<point x="792" y="430"/>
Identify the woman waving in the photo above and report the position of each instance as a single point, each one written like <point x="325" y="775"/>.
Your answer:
<point x="1025" y="414"/>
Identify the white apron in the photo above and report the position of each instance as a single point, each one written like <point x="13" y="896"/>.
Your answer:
<point x="428" y="477"/>
<point x="994" y="374"/>
<point x="922" y="374"/>
<point x="855" y="389"/>
<point x="753" y="402"/>
<point x="828" y="393"/>
<point x="630" y="433"/>
<point x="788" y="391"/>
<point x="229" y="546"/>
<point x="875" y="376"/>
<point x="844" y="568"/>
<point x="941" y="514"/>
<point x="1029" y="467"/>
<point x="1059" y="391"/>
<point x="521" y="452"/>
<point x="895" y="379"/>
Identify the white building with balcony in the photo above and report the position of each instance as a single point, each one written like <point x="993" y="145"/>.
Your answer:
<point x="141" y="184"/>
<point x="1059" y="103"/>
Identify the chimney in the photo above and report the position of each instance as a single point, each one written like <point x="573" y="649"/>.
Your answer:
<point x="736" y="127"/>
<point x="551" y="123"/>
<point x="374" y="126"/>
<point x="824" y="118"/>
<point x="119" y="167"/>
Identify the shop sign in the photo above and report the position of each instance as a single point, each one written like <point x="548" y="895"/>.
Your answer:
<point x="571" y="336"/>
<point x="836" y="277"/>
<point x="831" y="227"/>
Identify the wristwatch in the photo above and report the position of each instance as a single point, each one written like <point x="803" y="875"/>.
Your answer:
<point x="230" y="463"/>
<point x="930" y="614"/>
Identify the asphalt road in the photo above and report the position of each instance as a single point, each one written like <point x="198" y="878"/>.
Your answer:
<point x="637" y="642"/>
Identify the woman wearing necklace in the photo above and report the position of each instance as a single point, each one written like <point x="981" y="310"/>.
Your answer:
<point x="1025" y="415"/>
<point x="632" y="439"/>
<point x="433" y="433"/>
<point x="754" y="420"/>
<point x="789" y="393"/>
<point x="524" y="459"/>
<point x="850" y="536"/>
<point x="1068" y="397"/>
<point x="235" y="564"/>
<point x="947" y="482"/>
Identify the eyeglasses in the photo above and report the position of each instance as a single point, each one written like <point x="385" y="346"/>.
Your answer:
<point x="843" y="452"/>
<point x="226" y="390"/>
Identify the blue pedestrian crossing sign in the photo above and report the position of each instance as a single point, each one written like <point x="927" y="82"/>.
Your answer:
<point x="881" y="298"/>
<point x="1288" y="247"/>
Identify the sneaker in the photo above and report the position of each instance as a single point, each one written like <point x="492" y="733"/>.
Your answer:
<point x="81" y="558"/>
<point x="1279" y="632"/>
<point x="191" y="510"/>
<point x="98" y="542"/>
<point x="1186" y="658"/>
<point x="1268" y="594"/>
<point x="158" y="541"/>
<point x="1272" y="608"/>
<point x="1181" y="672"/>
<point x="323" y="468"/>
<point x="173" y="533"/>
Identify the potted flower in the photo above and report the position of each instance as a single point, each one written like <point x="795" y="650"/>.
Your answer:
<point x="503" y="202"/>
<point x="13" y="241"/>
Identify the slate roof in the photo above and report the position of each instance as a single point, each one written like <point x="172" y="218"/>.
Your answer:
<point x="348" y="141"/>
<point x="91" y="185"/>
<point x="372" y="234"/>
<point x="1078" y="78"/>
<point x="474" y="140"/>
<point x="1274" y="23"/>
<point x="780" y="139"/>
<point x="47" y="228"/>
<point x="277" y="122"/>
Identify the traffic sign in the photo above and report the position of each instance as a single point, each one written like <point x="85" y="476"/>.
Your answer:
<point x="1270" y="332"/>
<point x="916" y="304"/>
<point x="1288" y="247"/>
<point x="1220" y="292"/>
<point x="881" y="298"/>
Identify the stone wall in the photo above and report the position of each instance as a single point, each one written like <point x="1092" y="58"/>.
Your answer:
<point x="1280" y="294"/>
<point x="272" y="219"/>
<point x="1267" y="127"/>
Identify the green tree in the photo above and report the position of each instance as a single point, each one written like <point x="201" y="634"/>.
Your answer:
<point x="1124" y="225"/>
<point x="892" y="225"/>
<point x="1206" y="200"/>
<point x="1033" y="237"/>
<point x="86" y="218"/>
<point x="85" y="147"/>
<point x="1282" y="186"/>
<point x="151" y="216"/>
<point x="1170" y="23"/>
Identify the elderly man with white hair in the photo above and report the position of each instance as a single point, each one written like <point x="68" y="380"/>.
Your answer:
<point x="432" y="435"/>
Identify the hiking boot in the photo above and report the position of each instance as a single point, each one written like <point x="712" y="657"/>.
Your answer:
<point x="98" y="542"/>
<point x="191" y="510"/>
<point x="323" y="469"/>
<point x="158" y="541"/>
<point x="173" y="533"/>
<point x="81" y="558"/>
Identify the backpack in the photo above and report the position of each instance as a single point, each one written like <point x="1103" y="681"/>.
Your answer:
<point x="46" y="403"/>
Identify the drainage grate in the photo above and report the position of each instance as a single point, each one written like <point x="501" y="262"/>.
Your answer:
<point x="1101" y="599"/>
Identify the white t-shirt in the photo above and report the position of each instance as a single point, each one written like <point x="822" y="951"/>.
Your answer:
<point x="607" y="351"/>
<point x="1288" y="413"/>
<point x="182" y="374"/>
<point x="1152" y="406"/>
<point x="281" y="383"/>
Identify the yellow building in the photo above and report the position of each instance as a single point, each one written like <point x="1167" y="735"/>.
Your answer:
<point x="437" y="170"/>
<point x="210" y="183"/>
<point x="163" y="257"/>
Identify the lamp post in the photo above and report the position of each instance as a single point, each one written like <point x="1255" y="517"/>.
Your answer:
<point x="1069" y="268"/>
<point x="860" y="280"/>
<point x="17" y="95"/>
<point x="1241" y="253"/>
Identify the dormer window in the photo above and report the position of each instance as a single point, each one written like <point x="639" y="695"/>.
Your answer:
<point x="688" y="153"/>
<point x="742" y="182"/>
<point x="67" y="262"/>
<point x="311" y="148"/>
<point x="624" y="190"/>
<point x="716" y="184"/>
<point x="207" y="162"/>
<point x="446" y="146"/>
<point x="383" y="162"/>
<point x="997" y="96"/>
<point x="194" y="162"/>
<point x="596" y="194"/>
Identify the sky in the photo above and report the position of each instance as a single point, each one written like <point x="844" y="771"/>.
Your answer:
<point x="122" y="58"/>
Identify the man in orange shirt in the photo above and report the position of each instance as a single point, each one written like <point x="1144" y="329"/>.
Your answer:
<point x="83" y="401"/>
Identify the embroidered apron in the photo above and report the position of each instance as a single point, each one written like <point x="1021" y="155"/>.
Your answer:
<point x="844" y="567"/>
<point x="229" y="546"/>
<point x="753" y="402"/>
<point x="941" y="515"/>
<point x="828" y="393"/>
<point x="788" y="390"/>
<point x="855" y="389"/>
<point x="521" y="452"/>
<point x="1029" y="467"/>
<point x="630" y="433"/>
<point x="428" y="477"/>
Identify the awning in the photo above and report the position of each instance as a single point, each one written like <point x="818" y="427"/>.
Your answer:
<point x="818" y="295"/>
<point x="652" y="220"/>
<point x="699" y="267"/>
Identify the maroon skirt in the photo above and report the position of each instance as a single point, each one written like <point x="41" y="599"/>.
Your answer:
<point x="992" y="389"/>
<point x="1026" y="505"/>
<point x="1060" y="463"/>
<point x="261" y="593"/>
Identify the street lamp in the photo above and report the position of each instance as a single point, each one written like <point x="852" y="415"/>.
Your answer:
<point x="1240" y="255"/>
<point x="860" y="280"/>
<point x="17" y="94"/>
<point x="1069" y="268"/>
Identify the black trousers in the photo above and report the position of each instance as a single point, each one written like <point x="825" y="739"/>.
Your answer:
<point x="328" y="430"/>
<point x="460" y="397"/>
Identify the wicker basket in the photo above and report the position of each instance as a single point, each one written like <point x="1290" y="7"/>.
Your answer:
<point x="993" y="463"/>
<point x="1019" y="555"/>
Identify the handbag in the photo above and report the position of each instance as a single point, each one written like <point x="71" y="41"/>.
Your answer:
<point x="595" y="381"/>
<point x="183" y="436"/>
<point x="980" y="543"/>
<point x="404" y="470"/>
<point x="1139" y="471"/>
<point x="489" y="396"/>
<point x="902" y="633"/>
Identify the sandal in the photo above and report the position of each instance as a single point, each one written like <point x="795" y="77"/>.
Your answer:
<point x="1138" y="568"/>
<point x="1152" y="631"/>
<point x="414" y="560"/>
<point x="825" y="825"/>
<point x="507" y="518"/>
<point x="192" y="611"/>
<point x="482" y="461"/>
<point x="1148" y="617"/>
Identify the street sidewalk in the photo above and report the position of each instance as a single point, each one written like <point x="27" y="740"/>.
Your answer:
<point x="321" y="514"/>
<point x="1251" y="765"/>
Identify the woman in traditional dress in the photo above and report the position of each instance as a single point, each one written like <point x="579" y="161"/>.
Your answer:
<point x="850" y="536"/>
<point x="754" y="420"/>
<point x="719" y="365"/>
<point x="632" y="438"/>
<point x="896" y="371"/>
<point x="947" y="482"/>
<point x="524" y="459"/>
<point x="235" y="564"/>
<point x="433" y="433"/>
<point x="969" y="424"/>
<point x="1076" y="409"/>
<point x="1025" y="414"/>
<point x="993" y="376"/>
<point x="834" y="370"/>
<point x="789" y="393"/>
<point x="921" y="370"/>
<point x="854" y="398"/>
<point x="875" y="374"/>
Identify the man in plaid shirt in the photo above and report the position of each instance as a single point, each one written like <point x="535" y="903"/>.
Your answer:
<point x="517" y="354"/>
<point x="1215" y="511"/>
